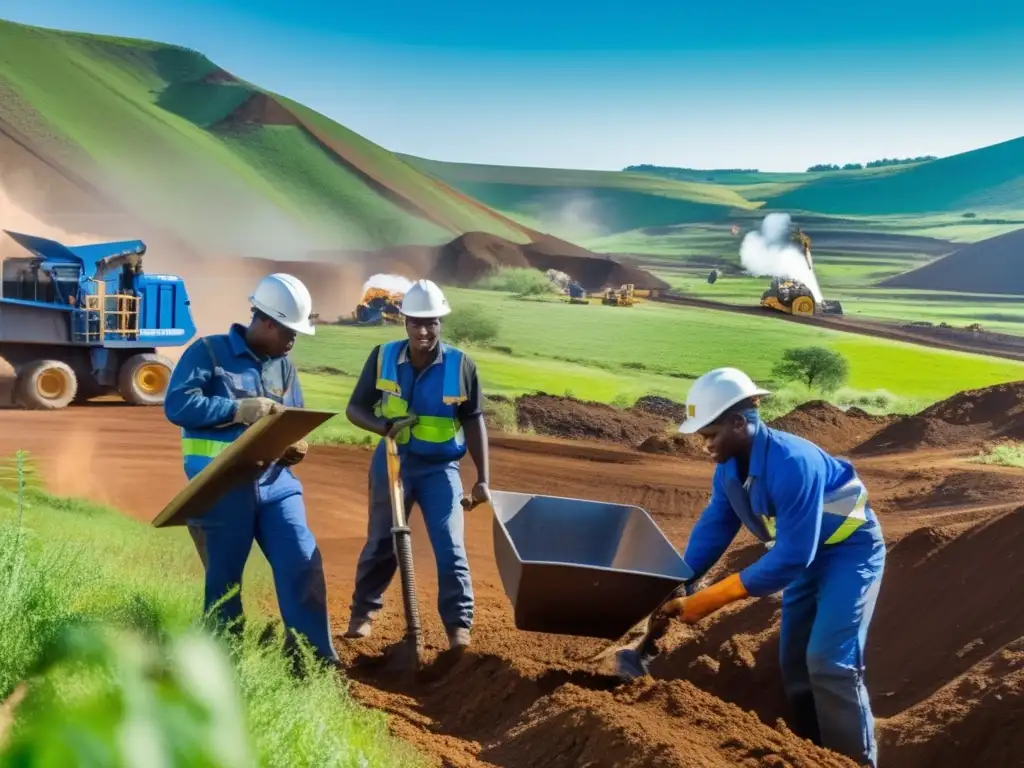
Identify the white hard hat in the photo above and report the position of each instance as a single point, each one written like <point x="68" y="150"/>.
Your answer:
<point x="714" y="393"/>
<point x="284" y="298"/>
<point x="424" y="299"/>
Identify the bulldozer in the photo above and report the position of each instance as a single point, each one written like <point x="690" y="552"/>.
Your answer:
<point x="378" y="307"/>
<point x="623" y="297"/>
<point x="792" y="296"/>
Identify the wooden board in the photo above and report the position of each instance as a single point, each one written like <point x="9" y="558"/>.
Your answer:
<point x="265" y="441"/>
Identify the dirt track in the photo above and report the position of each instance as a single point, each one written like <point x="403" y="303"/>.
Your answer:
<point x="984" y="343"/>
<point x="945" y="664"/>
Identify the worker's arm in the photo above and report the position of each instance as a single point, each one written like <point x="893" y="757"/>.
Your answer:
<point x="714" y="530"/>
<point x="185" y="404"/>
<point x="293" y="397"/>
<point x="364" y="397"/>
<point x="471" y="416"/>
<point x="796" y="487"/>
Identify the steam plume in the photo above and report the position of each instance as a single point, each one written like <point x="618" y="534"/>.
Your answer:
<point x="390" y="283"/>
<point x="770" y="252"/>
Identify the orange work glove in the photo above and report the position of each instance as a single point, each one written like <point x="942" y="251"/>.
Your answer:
<point x="704" y="602"/>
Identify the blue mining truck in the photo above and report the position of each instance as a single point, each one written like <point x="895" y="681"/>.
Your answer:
<point x="85" y="321"/>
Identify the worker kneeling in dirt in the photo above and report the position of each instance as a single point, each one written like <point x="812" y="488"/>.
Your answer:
<point x="222" y="385"/>
<point x="426" y="396"/>
<point x="826" y="555"/>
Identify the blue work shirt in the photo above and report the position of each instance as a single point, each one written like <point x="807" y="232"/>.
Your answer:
<point x="202" y="400"/>
<point x="790" y="478"/>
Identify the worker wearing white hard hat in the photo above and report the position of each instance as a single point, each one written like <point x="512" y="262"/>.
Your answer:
<point x="826" y="555"/>
<point x="426" y="395"/>
<point x="223" y="384"/>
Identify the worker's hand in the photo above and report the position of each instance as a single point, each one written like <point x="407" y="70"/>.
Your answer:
<point x="477" y="496"/>
<point x="252" y="409"/>
<point x="401" y="424"/>
<point x="704" y="602"/>
<point x="294" y="453"/>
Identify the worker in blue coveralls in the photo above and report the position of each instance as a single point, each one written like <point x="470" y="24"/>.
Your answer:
<point x="221" y="385"/>
<point x="826" y="554"/>
<point x="425" y="395"/>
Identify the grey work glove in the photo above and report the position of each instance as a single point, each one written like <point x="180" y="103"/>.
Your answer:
<point x="252" y="409"/>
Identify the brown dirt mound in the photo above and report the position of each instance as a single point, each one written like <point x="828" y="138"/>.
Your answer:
<point x="259" y="109"/>
<point x="661" y="406"/>
<point x="834" y="429"/>
<point x="662" y="725"/>
<point x="964" y="421"/>
<point x="683" y="446"/>
<point x="989" y="266"/>
<point x="966" y="489"/>
<point x="575" y="419"/>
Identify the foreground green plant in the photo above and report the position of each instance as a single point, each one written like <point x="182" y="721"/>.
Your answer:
<point x="100" y="616"/>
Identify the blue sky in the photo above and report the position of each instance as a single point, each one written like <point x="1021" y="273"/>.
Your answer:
<point x="774" y="86"/>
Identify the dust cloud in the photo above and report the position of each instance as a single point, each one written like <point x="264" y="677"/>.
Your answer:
<point x="573" y="215"/>
<point x="769" y="251"/>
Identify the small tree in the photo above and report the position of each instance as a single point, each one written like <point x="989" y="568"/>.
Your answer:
<point x="471" y="324"/>
<point x="819" y="368"/>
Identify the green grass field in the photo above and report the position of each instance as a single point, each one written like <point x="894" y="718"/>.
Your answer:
<point x="101" y="616"/>
<point x="616" y="354"/>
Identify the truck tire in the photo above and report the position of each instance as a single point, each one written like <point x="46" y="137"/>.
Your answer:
<point x="46" y="385"/>
<point x="143" y="379"/>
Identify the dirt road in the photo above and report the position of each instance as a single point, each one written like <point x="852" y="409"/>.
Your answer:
<point x="946" y="657"/>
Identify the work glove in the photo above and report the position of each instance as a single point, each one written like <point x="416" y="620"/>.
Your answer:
<point x="401" y="424"/>
<point x="701" y="603"/>
<point x="252" y="409"/>
<point x="479" y="495"/>
<point x="294" y="453"/>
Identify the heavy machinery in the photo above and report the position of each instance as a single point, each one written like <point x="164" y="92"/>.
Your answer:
<point x="84" y="321"/>
<point x="792" y="296"/>
<point x="576" y="293"/>
<point x="623" y="297"/>
<point x="379" y="306"/>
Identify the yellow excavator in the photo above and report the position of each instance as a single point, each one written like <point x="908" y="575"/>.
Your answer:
<point x="792" y="296"/>
<point x="623" y="297"/>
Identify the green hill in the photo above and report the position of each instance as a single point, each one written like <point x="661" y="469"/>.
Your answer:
<point x="174" y="139"/>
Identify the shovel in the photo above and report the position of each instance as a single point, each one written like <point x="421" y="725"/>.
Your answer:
<point x="402" y="537"/>
<point x="630" y="661"/>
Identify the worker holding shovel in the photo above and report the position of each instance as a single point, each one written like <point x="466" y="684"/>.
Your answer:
<point x="826" y="554"/>
<point x="425" y="395"/>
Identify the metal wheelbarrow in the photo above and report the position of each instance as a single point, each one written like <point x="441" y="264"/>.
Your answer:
<point x="583" y="568"/>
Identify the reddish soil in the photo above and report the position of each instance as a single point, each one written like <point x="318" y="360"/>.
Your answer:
<point x="989" y="266"/>
<point x="945" y="659"/>
<point x="965" y="421"/>
<point x="258" y="109"/>
<point x="581" y="420"/>
<point x="834" y="429"/>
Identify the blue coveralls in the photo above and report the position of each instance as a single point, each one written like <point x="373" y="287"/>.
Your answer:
<point x="211" y="375"/>
<point x="827" y="555"/>
<point x="430" y="453"/>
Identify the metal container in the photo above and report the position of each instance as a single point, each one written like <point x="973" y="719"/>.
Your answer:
<point x="578" y="567"/>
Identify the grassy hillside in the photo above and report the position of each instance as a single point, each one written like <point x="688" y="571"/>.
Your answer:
<point x="574" y="204"/>
<point x="181" y="140"/>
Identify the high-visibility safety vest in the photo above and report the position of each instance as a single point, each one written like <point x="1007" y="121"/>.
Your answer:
<point x="848" y="504"/>
<point x="243" y="377"/>
<point x="433" y="395"/>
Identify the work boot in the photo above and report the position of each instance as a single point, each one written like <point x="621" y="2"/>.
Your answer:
<point x="458" y="638"/>
<point x="359" y="627"/>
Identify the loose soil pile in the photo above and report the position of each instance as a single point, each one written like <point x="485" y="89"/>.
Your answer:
<point x="574" y="419"/>
<point x="965" y="421"/>
<point x="683" y="446"/>
<point x="661" y="406"/>
<point x="835" y="430"/>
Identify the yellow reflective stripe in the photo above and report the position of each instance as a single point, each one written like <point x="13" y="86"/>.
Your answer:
<point x="844" y="531"/>
<point x="769" y="525"/>
<point x="393" y="407"/>
<point x="197" y="446"/>
<point x="388" y="386"/>
<point x="435" y="429"/>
